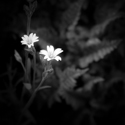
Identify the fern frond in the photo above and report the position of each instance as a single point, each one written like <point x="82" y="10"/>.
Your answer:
<point x="73" y="98"/>
<point x="96" y="52"/>
<point x="80" y="32"/>
<point x="67" y="81"/>
<point x="105" y="10"/>
<point x="71" y="16"/>
<point x="90" y="81"/>
<point x="100" y="28"/>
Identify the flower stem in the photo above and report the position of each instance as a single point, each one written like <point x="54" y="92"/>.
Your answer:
<point x="28" y="23"/>
<point x="23" y="67"/>
<point x="44" y="87"/>
<point x="42" y="81"/>
<point x="30" y="101"/>
<point x="26" y="53"/>
<point x="34" y="67"/>
<point x="34" y="93"/>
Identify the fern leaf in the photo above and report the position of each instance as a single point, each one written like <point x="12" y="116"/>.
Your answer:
<point x="99" y="28"/>
<point x="92" y="41"/>
<point x="81" y="33"/>
<point x="78" y="33"/>
<point x="90" y="82"/>
<point x="67" y="81"/>
<point x="106" y="10"/>
<point x="71" y="16"/>
<point x="73" y="98"/>
<point x="96" y="52"/>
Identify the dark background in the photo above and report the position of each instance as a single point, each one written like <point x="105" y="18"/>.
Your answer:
<point x="48" y="15"/>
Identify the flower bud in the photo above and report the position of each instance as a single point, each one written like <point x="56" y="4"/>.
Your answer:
<point x="17" y="56"/>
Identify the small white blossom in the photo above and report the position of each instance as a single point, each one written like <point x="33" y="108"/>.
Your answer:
<point x="51" y="54"/>
<point x="29" y="40"/>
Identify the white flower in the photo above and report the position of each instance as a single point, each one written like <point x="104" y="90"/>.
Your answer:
<point x="51" y="54"/>
<point x="29" y="40"/>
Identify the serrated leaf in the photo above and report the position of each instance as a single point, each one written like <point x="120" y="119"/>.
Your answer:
<point x="92" y="41"/>
<point x="69" y="74"/>
<point x="89" y="85"/>
<point x="72" y="99"/>
<point x="97" y="52"/>
<point x="71" y="15"/>
<point x="67" y="83"/>
<point x="99" y="28"/>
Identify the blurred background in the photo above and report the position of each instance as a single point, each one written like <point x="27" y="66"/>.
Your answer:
<point x="88" y="85"/>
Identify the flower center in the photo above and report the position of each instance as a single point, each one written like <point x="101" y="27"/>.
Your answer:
<point x="51" y="55"/>
<point x="29" y="41"/>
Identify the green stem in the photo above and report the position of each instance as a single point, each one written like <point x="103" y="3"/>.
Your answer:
<point x="42" y="81"/>
<point x="44" y="87"/>
<point x="34" y="93"/>
<point x="34" y="67"/>
<point x="30" y="101"/>
<point x="23" y="67"/>
<point x="26" y="53"/>
<point x="28" y="23"/>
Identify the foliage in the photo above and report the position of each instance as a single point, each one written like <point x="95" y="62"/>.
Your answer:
<point x="91" y="66"/>
<point x="67" y="83"/>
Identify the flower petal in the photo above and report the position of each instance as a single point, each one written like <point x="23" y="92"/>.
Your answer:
<point x="58" y="58"/>
<point x="51" y="49"/>
<point x="35" y="41"/>
<point x="34" y="35"/>
<point x="31" y="35"/>
<point x="29" y="40"/>
<point x="24" y="41"/>
<point x="57" y="51"/>
<point x="48" y="49"/>
<point x="44" y="52"/>
<point x="46" y="57"/>
<point x="25" y="36"/>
